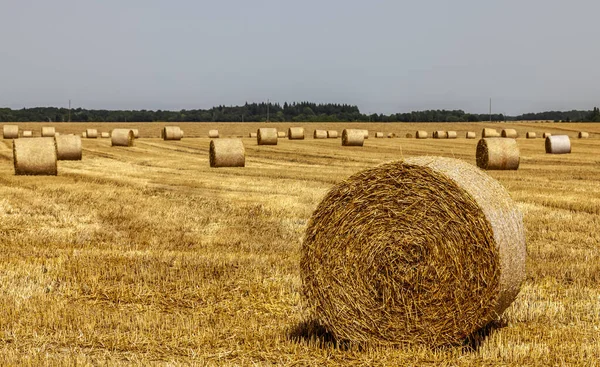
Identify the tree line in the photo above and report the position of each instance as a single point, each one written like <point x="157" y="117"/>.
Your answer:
<point x="275" y="112"/>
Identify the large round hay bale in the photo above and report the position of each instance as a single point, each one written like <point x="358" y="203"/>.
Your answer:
<point x="378" y="135"/>
<point x="266" y="136"/>
<point x="320" y="134"/>
<point x="510" y="133"/>
<point x="91" y="133"/>
<point x="48" y="132"/>
<point x="171" y="133"/>
<point x="227" y="153"/>
<point x="35" y="156"/>
<point x="11" y="131"/>
<point x="332" y="134"/>
<point x="422" y="134"/>
<point x="424" y="251"/>
<point x="545" y="135"/>
<point x="281" y="134"/>
<point x="440" y="134"/>
<point x="105" y="135"/>
<point x="213" y="134"/>
<point x="295" y="133"/>
<point x="27" y="134"/>
<point x="353" y="138"/>
<point x="489" y="133"/>
<point x="451" y="134"/>
<point x="498" y="154"/>
<point x="122" y="138"/>
<point x="136" y="133"/>
<point x="68" y="147"/>
<point x="558" y="144"/>
<point x="583" y="135"/>
<point x="531" y="135"/>
<point x="470" y="135"/>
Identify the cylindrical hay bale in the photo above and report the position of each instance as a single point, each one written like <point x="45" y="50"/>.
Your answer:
<point x="531" y="135"/>
<point x="489" y="133"/>
<point x="227" y="153"/>
<point x="36" y="156"/>
<point x="378" y="135"/>
<point x="136" y="133"/>
<point x="409" y="136"/>
<point x="510" y="133"/>
<point x="425" y="251"/>
<point x="122" y="138"/>
<point x="172" y="133"/>
<point x="332" y="134"/>
<point x="213" y="134"/>
<point x="11" y="131"/>
<point x="498" y="154"/>
<point x="353" y="138"/>
<point x="320" y="134"/>
<point x="451" y="134"/>
<point x="583" y="135"/>
<point x="252" y="135"/>
<point x="558" y="144"/>
<point x="48" y="132"/>
<point x="440" y="134"/>
<point x="91" y="133"/>
<point x="366" y="132"/>
<point x="83" y="135"/>
<point x="27" y="134"/>
<point x="421" y="134"/>
<point x="391" y="135"/>
<point x="296" y="133"/>
<point x="266" y="136"/>
<point x="105" y="135"/>
<point x="470" y="135"/>
<point x="281" y="134"/>
<point x="545" y="135"/>
<point x="68" y="147"/>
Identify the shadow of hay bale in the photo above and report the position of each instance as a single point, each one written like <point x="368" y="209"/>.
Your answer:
<point x="313" y="333"/>
<point x="476" y="340"/>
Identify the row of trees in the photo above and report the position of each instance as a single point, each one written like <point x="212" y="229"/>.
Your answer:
<point x="275" y="112"/>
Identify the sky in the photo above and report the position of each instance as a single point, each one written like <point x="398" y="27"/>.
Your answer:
<point x="386" y="56"/>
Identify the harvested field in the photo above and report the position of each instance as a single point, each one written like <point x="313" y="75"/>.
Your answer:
<point x="146" y="254"/>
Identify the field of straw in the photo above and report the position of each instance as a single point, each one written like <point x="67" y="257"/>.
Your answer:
<point x="147" y="255"/>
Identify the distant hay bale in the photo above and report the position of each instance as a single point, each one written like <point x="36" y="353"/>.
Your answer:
<point x="35" y="156"/>
<point x="91" y="133"/>
<point x="422" y="134"/>
<point x="48" y="132"/>
<point x="136" y="133"/>
<point x="425" y="251"/>
<point x="171" y="133"/>
<point x="510" y="133"/>
<point x="470" y="135"/>
<point x="266" y="136"/>
<point x="252" y="135"/>
<point x="451" y="134"/>
<point x="83" y="135"/>
<point x="281" y="134"/>
<point x="181" y="134"/>
<point x="558" y="144"/>
<point x="489" y="133"/>
<point x="295" y="133"/>
<point x="440" y="134"/>
<point x="27" y="134"/>
<point x="498" y="154"/>
<point x="332" y="134"/>
<point x="366" y="133"/>
<point x="124" y="138"/>
<point x="11" y="131"/>
<point x="320" y="134"/>
<point x="545" y="135"/>
<point x="213" y="134"/>
<point x="227" y="153"/>
<point x="409" y="136"/>
<point x="105" y="135"/>
<point x="379" y="135"/>
<point x="391" y="135"/>
<point x="68" y="147"/>
<point x="531" y="135"/>
<point x="353" y="138"/>
<point x="583" y="135"/>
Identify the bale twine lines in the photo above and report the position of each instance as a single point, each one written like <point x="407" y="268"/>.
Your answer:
<point x="558" y="144"/>
<point x="422" y="134"/>
<point x="27" y="134"/>
<point x="122" y="138"/>
<point x="320" y="134"/>
<point x="510" y="133"/>
<point x="68" y="147"/>
<point x="105" y="135"/>
<point x="295" y="133"/>
<point x="498" y="154"/>
<point x="36" y="156"/>
<point x="91" y="133"/>
<point x="545" y="135"/>
<point x="266" y="136"/>
<point x="213" y="134"/>
<point x="48" y="132"/>
<point x="10" y="131"/>
<point x="583" y="135"/>
<point x="426" y="250"/>
<point x="171" y="133"/>
<point x="353" y="138"/>
<point x="227" y="153"/>
<point x="489" y="133"/>
<point x="531" y="135"/>
<point x="451" y="134"/>
<point x="440" y="134"/>
<point x="470" y="135"/>
<point x="332" y="134"/>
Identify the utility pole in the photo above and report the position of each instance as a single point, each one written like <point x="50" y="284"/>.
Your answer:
<point x="69" y="110"/>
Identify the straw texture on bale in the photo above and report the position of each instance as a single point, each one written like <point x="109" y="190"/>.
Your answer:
<point x="136" y="133"/>
<point x="353" y="138"/>
<point x="171" y="133"/>
<point x="295" y="133"/>
<point x="545" y="135"/>
<point x="105" y="135"/>
<point x="583" y="135"/>
<point x="379" y="135"/>
<point x="320" y="134"/>
<point x="332" y="134"/>
<point x="227" y="153"/>
<point x="440" y="134"/>
<point x="27" y="134"/>
<point x="558" y="144"/>
<point x="48" y="132"/>
<point x="489" y="133"/>
<point x="91" y="133"/>
<point x="122" y="138"/>
<point x="510" y="133"/>
<point x="498" y="154"/>
<point x="451" y="134"/>
<point x="36" y="156"/>
<point x="470" y="135"/>
<point x="409" y="136"/>
<point x="213" y="134"/>
<point x="425" y="251"/>
<point x="266" y="136"/>
<point x="391" y="135"/>
<point x="421" y="134"/>
<point x="68" y="147"/>
<point x="531" y="135"/>
<point x="11" y="131"/>
<point x="281" y="134"/>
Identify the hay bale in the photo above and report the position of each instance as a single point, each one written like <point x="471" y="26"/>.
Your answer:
<point x="83" y="135"/>
<point x="391" y="135"/>
<point x="409" y="136"/>
<point x="295" y="133"/>
<point x="470" y="135"/>
<point x="266" y="136"/>
<point x="498" y="154"/>
<point x="332" y="134"/>
<point x="11" y="131"/>
<point x="180" y="134"/>
<point x="136" y="133"/>
<point x="558" y="144"/>
<point x="68" y="147"/>
<point x="378" y="135"/>
<point x="252" y="135"/>
<point x="27" y="134"/>
<point x="36" y="156"/>
<point x="422" y="134"/>
<point x="281" y="134"/>
<point x="531" y="135"/>
<point x="366" y="133"/>
<point x="91" y="133"/>
<point x="227" y="153"/>
<point x="583" y="135"/>
<point x="510" y="133"/>
<point x="440" y="134"/>
<point x="320" y="134"/>
<point x="105" y="135"/>
<point x="353" y="138"/>
<point x="424" y="251"/>
<point x="48" y="132"/>
<point x="171" y="133"/>
<point x="545" y="135"/>
<point x="213" y="134"/>
<point x="451" y="134"/>
<point x="489" y="133"/>
<point x="123" y="138"/>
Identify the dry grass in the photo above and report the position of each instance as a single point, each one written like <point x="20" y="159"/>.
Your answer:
<point x="148" y="255"/>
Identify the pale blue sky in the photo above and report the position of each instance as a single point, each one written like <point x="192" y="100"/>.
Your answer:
<point x="383" y="55"/>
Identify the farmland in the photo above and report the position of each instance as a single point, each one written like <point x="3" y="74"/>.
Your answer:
<point x="146" y="254"/>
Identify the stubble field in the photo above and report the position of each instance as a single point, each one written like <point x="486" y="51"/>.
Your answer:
<point x="146" y="255"/>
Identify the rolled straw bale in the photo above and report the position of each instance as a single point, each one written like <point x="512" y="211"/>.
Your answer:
<point x="498" y="154"/>
<point x="489" y="133"/>
<point x="27" y="134"/>
<point x="353" y="138"/>
<point x="558" y="144"/>
<point x="510" y="133"/>
<point x="48" y="132"/>
<point x="11" y="131"/>
<point x="122" y="138"/>
<point x="213" y="134"/>
<point x="409" y="136"/>
<point x="583" y="135"/>
<point x="266" y="136"/>
<point x="83" y="135"/>
<point x="136" y="133"/>
<point x="424" y="251"/>
<point x="545" y="135"/>
<point x="171" y="133"/>
<point x="391" y="135"/>
<point x="36" y="156"/>
<point x="105" y="135"/>
<point x="68" y="147"/>
<point x="531" y="135"/>
<point x="281" y="134"/>
<point x="320" y="134"/>
<point x="422" y="134"/>
<point x="440" y="134"/>
<point x="451" y="134"/>
<point x="252" y="135"/>
<point x="366" y="132"/>
<point x="180" y="134"/>
<point x="91" y="133"/>
<point x="227" y="153"/>
<point x="470" y="135"/>
<point x="378" y="135"/>
<point x="296" y="133"/>
<point x="332" y="134"/>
